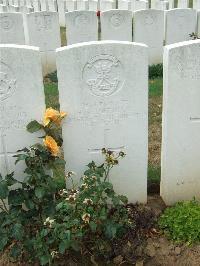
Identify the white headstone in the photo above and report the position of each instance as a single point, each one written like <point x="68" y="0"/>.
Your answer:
<point x="196" y="4"/>
<point x="3" y="8"/>
<point x="36" y="5"/>
<point x="13" y="8"/>
<point x="116" y="25"/>
<point x="21" y="100"/>
<point x="183" y="3"/>
<point x="198" y="24"/>
<point x="149" y="29"/>
<point x="162" y="5"/>
<point x="124" y="4"/>
<point x="93" y="5"/>
<point x="82" y="5"/>
<point x="171" y="4"/>
<point x="44" y="32"/>
<point x="81" y="26"/>
<point x="107" y="5"/>
<point x="180" y="23"/>
<point x="103" y="87"/>
<point x="62" y="8"/>
<point x="141" y="4"/>
<point x="181" y="123"/>
<point x="11" y="28"/>
<point x="44" y="5"/>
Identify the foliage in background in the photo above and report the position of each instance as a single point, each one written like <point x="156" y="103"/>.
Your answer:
<point x="53" y="77"/>
<point x="42" y="221"/>
<point x="182" y="222"/>
<point x="156" y="71"/>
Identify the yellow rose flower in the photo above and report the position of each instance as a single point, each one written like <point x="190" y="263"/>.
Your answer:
<point x="51" y="145"/>
<point x="52" y="115"/>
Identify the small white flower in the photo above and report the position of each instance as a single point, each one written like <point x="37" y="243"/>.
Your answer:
<point x="49" y="222"/>
<point x="84" y="186"/>
<point x="54" y="253"/>
<point x="86" y="217"/>
<point x="71" y="198"/>
<point x="88" y="201"/>
<point x="94" y="177"/>
<point x="70" y="173"/>
<point x="85" y="178"/>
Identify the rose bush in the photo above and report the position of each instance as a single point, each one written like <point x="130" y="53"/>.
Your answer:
<point x="42" y="220"/>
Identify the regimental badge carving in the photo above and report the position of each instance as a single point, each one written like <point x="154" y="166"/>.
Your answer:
<point x="7" y="82"/>
<point x="148" y="20"/>
<point x="43" y="22"/>
<point x="81" y="20"/>
<point x="104" y="75"/>
<point x="116" y="20"/>
<point x="6" y="23"/>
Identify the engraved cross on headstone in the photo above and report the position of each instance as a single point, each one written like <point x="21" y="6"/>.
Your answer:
<point x="98" y="151"/>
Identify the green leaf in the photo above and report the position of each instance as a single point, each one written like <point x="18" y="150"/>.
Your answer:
<point x="15" y="197"/>
<point x="44" y="259"/>
<point x="33" y="126"/>
<point x="17" y="231"/>
<point x="3" y="190"/>
<point x="20" y="157"/>
<point x="15" y="251"/>
<point x="39" y="192"/>
<point x="93" y="226"/>
<point x="65" y="244"/>
<point x="1" y="178"/>
<point x="111" y="230"/>
<point x="3" y="242"/>
<point x="10" y="179"/>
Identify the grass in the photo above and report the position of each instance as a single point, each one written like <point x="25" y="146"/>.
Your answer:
<point x="155" y="119"/>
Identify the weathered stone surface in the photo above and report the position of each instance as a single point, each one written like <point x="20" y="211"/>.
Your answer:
<point x="116" y="25"/>
<point x="11" y="28"/>
<point x="181" y="123"/>
<point x="148" y="28"/>
<point x="103" y="87"/>
<point x="81" y="26"/>
<point x="44" y="31"/>
<point x="180" y="23"/>
<point x="21" y="100"/>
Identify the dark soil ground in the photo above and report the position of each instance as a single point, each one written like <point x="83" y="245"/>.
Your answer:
<point x="144" y="245"/>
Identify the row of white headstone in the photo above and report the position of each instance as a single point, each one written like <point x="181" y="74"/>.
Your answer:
<point x="104" y="88"/>
<point x="151" y="27"/>
<point x="63" y="6"/>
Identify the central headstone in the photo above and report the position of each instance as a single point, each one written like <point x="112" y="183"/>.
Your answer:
<point x="103" y="87"/>
<point x="21" y="100"/>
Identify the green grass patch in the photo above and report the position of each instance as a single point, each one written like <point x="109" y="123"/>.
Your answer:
<point x="51" y="95"/>
<point x="63" y="36"/>
<point x="154" y="174"/>
<point x="181" y="223"/>
<point x="155" y="71"/>
<point x="155" y="87"/>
